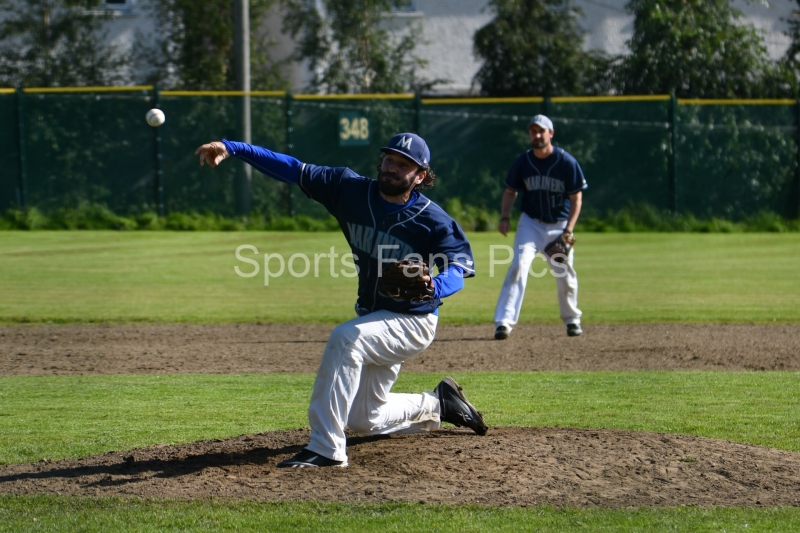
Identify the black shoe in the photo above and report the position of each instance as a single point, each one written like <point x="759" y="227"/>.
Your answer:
<point x="574" y="330"/>
<point x="501" y="333"/>
<point x="456" y="410"/>
<point x="309" y="459"/>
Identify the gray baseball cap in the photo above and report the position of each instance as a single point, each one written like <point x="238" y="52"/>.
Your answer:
<point x="541" y="121"/>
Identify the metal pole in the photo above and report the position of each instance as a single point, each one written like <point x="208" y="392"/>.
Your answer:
<point x="158" y="184"/>
<point x="417" y="113"/>
<point x="241" y="50"/>
<point x="22" y="190"/>
<point x="672" y="162"/>
<point x="797" y="157"/>
<point x="289" y="148"/>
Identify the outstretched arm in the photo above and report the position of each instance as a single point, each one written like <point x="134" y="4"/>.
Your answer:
<point x="212" y="154"/>
<point x="281" y="167"/>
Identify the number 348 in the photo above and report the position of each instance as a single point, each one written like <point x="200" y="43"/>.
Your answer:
<point x="357" y="128"/>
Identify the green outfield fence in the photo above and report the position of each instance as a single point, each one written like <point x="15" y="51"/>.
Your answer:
<point x="724" y="158"/>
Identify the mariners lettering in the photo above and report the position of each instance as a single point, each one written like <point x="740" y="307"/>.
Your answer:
<point x="544" y="183"/>
<point x="361" y="236"/>
<point x="392" y="247"/>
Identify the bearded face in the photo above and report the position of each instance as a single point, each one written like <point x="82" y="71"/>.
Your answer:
<point x="391" y="184"/>
<point x="397" y="175"/>
<point x="540" y="137"/>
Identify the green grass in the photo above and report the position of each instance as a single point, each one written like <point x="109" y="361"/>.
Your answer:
<point x="106" y="276"/>
<point x="74" y="416"/>
<point x="50" y="513"/>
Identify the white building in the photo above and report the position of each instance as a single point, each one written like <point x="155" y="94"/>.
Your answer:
<point x="449" y="26"/>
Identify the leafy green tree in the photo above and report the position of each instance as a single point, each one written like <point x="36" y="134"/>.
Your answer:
<point x="793" y="52"/>
<point x="195" y="47"/>
<point x="50" y="43"/>
<point x="351" y="48"/>
<point x="790" y="64"/>
<point x="535" y="47"/>
<point x="696" y="48"/>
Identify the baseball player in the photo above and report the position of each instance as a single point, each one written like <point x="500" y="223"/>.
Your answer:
<point x="383" y="220"/>
<point x="551" y="182"/>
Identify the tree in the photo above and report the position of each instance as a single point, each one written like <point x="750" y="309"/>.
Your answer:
<point x="194" y="50"/>
<point x="790" y="64"/>
<point x="535" y="47"/>
<point x="351" y="49"/>
<point x="50" y="43"/>
<point x="696" y="48"/>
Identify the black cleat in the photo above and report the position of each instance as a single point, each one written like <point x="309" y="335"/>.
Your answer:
<point x="501" y="333"/>
<point x="308" y="459"/>
<point x="456" y="410"/>
<point x="574" y="330"/>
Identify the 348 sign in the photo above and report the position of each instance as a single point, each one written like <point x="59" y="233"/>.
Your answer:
<point x="354" y="129"/>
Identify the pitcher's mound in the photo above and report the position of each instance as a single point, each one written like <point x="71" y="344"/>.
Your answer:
<point x="509" y="466"/>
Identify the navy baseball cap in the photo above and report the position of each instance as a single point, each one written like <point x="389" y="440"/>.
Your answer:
<point x="542" y="121"/>
<point x="410" y="145"/>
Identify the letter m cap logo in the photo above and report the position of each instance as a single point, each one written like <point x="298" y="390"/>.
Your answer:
<point x="405" y="142"/>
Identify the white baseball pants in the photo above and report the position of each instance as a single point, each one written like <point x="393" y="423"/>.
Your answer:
<point x="533" y="236"/>
<point x="358" y="368"/>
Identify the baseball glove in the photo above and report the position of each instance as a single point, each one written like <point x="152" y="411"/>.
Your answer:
<point x="559" y="248"/>
<point x="409" y="279"/>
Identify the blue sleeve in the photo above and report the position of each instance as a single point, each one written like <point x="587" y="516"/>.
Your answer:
<point x="448" y="282"/>
<point x="281" y="167"/>
<point x="452" y="249"/>
<point x="575" y="179"/>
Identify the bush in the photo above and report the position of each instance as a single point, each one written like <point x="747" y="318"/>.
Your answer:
<point x="471" y="218"/>
<point x="644" y="217"/>
<point x="634" y="217"/>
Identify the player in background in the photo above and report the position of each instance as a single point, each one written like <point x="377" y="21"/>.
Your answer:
<point x="382" y="220"/>
<point x="551" y="182"/>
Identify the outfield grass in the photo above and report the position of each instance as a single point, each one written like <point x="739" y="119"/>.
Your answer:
<point x="189" y="277"/>
<point x="104" y="276"/>
<point x="74" y="416"/>
<point x="50" y="513"/>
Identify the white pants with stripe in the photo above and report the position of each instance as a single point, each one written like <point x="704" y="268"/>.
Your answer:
<point x="358" y="368"/>
<point x="532" y="236"/>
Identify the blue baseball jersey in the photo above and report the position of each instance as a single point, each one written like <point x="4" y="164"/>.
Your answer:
<point x="376" y="230"/>
<point x="546" y="184"/>
<point x="420" y="229"/>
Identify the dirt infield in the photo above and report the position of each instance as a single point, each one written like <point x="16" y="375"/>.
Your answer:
<point x="509" y="466"/>
<point x="252" y="348"/>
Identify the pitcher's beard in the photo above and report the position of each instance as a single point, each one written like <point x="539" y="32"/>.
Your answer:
<point x="391" y="185"/>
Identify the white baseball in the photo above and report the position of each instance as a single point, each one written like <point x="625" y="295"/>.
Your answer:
<point x="155" y="117"/>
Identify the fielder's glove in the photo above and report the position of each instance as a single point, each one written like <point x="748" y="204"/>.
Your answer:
<point x="559" y="248"/>
<point x="409" y="279"/>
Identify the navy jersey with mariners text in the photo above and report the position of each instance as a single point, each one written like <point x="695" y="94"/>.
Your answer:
<point x="545" y="184"/>
<point x="421" y="229"/>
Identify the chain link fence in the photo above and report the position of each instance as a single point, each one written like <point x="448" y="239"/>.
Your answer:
<point x="729" y="158"/>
